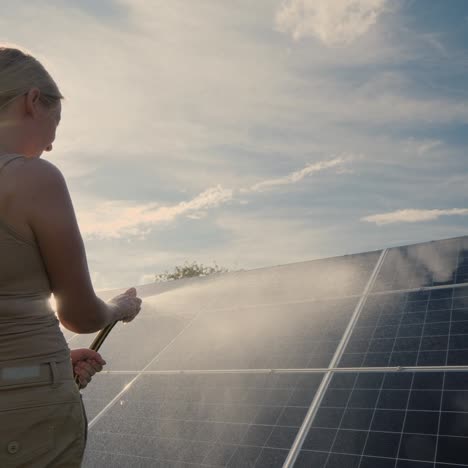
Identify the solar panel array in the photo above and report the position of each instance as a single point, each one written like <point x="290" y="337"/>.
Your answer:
<point x="332" y="363"/>
<point x="383" y="420"/>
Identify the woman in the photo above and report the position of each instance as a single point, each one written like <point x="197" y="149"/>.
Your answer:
<point x="42" y="421"/>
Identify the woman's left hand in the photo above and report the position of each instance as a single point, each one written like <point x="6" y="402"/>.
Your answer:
<point x="86" y="363"/>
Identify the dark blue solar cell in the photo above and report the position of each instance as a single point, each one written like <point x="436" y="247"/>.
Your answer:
<point x="292" y="416"/>
<point x="348" y="441"/>
<point x="413" y="318"/>
<point x="434" y="343"/>
<point x="352" y="360"/>
<point x="339" y="460"/>
<point x="407" y="344"/>
<point x="460" y="292"/>
<point x="432" y="358"/>
<point x="460" y="315"/>
<point x="257" y="435"/>
<point x="457" y="358"/>
<point x="412" y="330"/>
<point x="455" y="400"/>
<point x="389" y="319"/>
<point x="428" y="380"/>
<point x="456" y="381"/>
<point x="398" y="380"/>
<point x="357" y="419"/>
<point x="328" y="417"/>
<point x="403" y="358"/>
<point x="458" y="342"/>
<point x="418" y="296"/>
<point x="454" y="424"/>
<point x="383" y="345"/>
<point x="382" y="444"/>
<point x="357" y="346"/>
<point x="376" y="360"/>
<point x="319" y="439"/>
<point x="343" y="380"/>
<point x="375" y="462"/>
<point x="388" y="420"/>
<point x="363" y="398"/>
<point x="417" y="306"/>
<point x="441" y="294"/>
<point x="244" y="457"/>
<point x="421" y="422"/>
<point x="433" y="316"/>
<point x="308" y="459"/>
<point x="452" y="450"/>
<point x="424" y="400"/>
<point x="413" y="464"/>
<point x="336" y="398"/>
<point x="393" y="399"/>
<point x="440" y="304"/>
<point x="460" y="328"/>
<point x="369" y="380"/>
<point x="220" y="454"/>
<point x="436" y="329"/>
<point x="282" y="437"/>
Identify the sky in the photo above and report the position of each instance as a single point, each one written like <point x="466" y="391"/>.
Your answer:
<point x="253" y="134"/>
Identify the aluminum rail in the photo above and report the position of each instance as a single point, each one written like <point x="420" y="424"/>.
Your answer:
<point x="317" y="370"/>
<point x="309" y="417"/>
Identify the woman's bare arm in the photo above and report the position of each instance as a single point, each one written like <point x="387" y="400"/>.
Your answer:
<point x="50" y="214"/>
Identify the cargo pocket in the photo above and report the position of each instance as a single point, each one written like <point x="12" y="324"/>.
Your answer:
<point x="24" y="436"/>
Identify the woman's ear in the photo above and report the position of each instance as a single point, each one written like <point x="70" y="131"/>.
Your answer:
<point x="32" y="101"/>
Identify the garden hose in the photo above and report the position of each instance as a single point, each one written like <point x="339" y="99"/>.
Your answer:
<point x="96" y="344"/>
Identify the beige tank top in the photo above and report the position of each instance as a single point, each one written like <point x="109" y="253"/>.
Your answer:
<point x="29" y="328"/>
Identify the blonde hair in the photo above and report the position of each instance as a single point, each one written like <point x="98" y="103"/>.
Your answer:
<point x="19" y="72"/>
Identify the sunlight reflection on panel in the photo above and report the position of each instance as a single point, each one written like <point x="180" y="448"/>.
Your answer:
<point x="261" y="337"/>
<point x="130" y="346"/>
<point x="101" y="390"/>
<point x="216" y="420"/>
<point x="429" y="264"/>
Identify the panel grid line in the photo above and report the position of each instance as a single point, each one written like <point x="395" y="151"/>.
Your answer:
<point x="440" y="418"/>
<point x="301" y="435"/>
<point x="404" y="421"/>
<point x="341" y="420"/>
<point x="129" y="385"/>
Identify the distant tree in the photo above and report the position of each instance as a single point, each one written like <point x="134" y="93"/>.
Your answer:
<point x="189" y="270"/>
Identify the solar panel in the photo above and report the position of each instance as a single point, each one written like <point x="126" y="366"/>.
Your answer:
<point x="240" y="370"/>
<point x="424" y="328"/>
<point x="235" y="420"/>
<point x="294" y="335"/>
<point x="381" y="420"/>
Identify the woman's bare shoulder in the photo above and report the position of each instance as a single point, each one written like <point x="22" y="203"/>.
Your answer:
<point x="37" y="171"/>
<point x="39" y="185"/>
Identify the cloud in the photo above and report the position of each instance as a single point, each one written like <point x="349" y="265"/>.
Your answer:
<point x="413" y="216"/>
<point x="116" y="219"/>
<point x="428" y="146"/>
<point x="334" y="22"/>
<point x="297" y="176"/>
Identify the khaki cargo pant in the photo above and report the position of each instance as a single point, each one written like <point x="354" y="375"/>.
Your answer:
<point x="42" y="417"/>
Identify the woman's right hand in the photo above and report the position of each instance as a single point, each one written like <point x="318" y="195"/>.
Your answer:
<point x="128" y="305"/>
